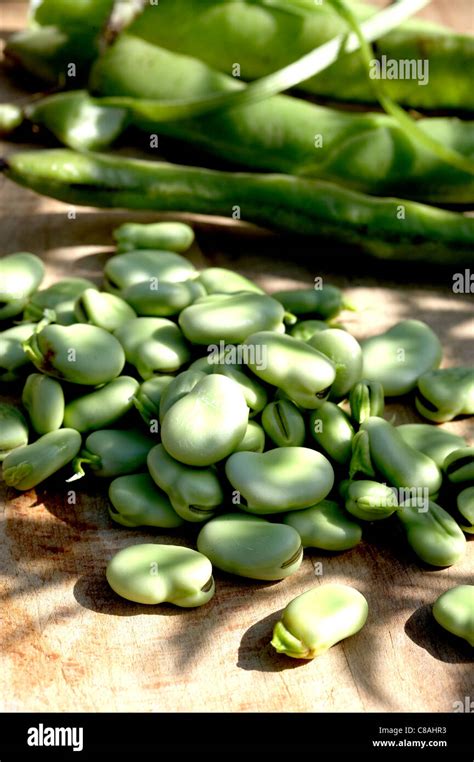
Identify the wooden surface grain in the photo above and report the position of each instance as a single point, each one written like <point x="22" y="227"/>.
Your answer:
<point x="69" y="644"/>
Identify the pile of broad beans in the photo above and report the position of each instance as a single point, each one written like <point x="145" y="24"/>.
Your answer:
<point x="257" y="418"/>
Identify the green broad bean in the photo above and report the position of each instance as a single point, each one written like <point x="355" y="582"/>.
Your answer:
<point x="153" y="345"/>
<point x="20" y="276"/>
<point x="230" y="317"/>
<point x="149" y="298"/>
<point x="219" y="280"/>
<point x="168" y="236"/>
<point x="302" y="372"/>
<point x="324" y="303"/>
<point x="224" y="363"/>
<point x="102" y="407"/>
<point x="399" y="464"/>
<point x="433" y="441"/>
<point x="26" y="467"/>
<point x="305" y="329"/>
<point x="459" y="465"/>
<point x="432" y="532"/>
<point x="445" y="393"/>
<point x="80" y="353"/>
<point x="155" y="265"/>
<point x="43" y="399"/>
<point x="253" y="440"/>
<point x="332" y="429"/>
<point x="284" y="424"/>
<point x="178" y="388"/>
<point x="368" y="500"/>
<point x="60" y="298"/>
<point x="318" y="619"/>
<point x="136" y="501"/>
<point x="148" y="397"/>
<point x="207" y="424"/>
<point x="325" y="526"/>
<point x="13" y="357"/>
<point x="398" y="357"/>
<point x="465" y="506"/>
<point x="152" y="574"/>
<point x="346" y="355"/>
<point x="454" y="611"/>
<point x="366" y="399"/>
<point x="113" y="452"/>
<point x="280" y="480"/>
<point x="106" y="311"/>
<point x="194" y="493"/>
<point x="13" y="429"/>
<point x="250" y="546"/>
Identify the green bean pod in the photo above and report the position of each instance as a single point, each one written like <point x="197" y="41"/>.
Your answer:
<point x="445" y="393"/>
<point x="13" y="357"/>
<point x="283" y="202"/>
<point x="366" y="399"/>
<point x="325" y="526"/>
<point x="102" y="407"/>
<point x="154" y="265"/>
<point x="250" y="546"/>
<point x="20" y="276"/>
<point x="324" y="303"/>
<point x="113" y="452"/>
<point x="222" y="33"/>
<point x="459" y="465"/>
<point x="433" y="441"/>
<point x="332" y="429"/>
<point x="465" y="506"/>
<point x="401" y="465"/>
<point x="80" y="354"/>
<point x="148" y="397"/>
<point x="192" y="430"/>
<point x="432" y="533"/>
<point x="368" y="152"/>
<point x="26" y="467"/>
<point x="454" y="610"/>
<point x="194" y="493"/>
<point x="279" y="480"/>
<point x="106" y="311"/>
<point x="153" y="299"/>
<point x="302" y="372"/>
<point x="43" y="398"/>
<point x="284" y="424"/>
<point x="152" y="574"/>
<point x="136" y="501"/>
<point x="230" y="317"/>
<point x="60" y="298"/>
<point x="368" y="500"/>
<point x="220" y="280"/>
<point x="168" y="236"/>
<point x="153" y="345"/>
<point x="13" y="429"/>
<point x="398" y="357"/>
<point x="319" y="618"/>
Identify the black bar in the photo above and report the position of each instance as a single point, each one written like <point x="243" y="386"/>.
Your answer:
<point x="428" y="736"/>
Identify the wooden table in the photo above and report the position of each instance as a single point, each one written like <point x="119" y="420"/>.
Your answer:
<point x="69" y="644"/>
